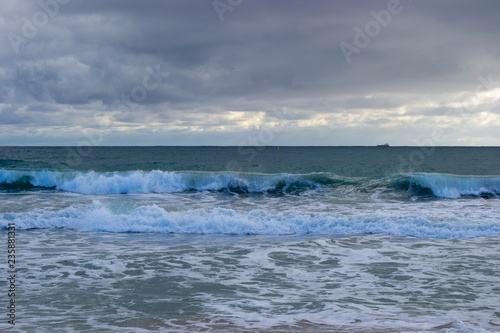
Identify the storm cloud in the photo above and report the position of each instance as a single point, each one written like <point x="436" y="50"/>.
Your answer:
<point x="205" y="72"/>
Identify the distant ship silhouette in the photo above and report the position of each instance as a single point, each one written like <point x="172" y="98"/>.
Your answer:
<point x="385" y="145"/>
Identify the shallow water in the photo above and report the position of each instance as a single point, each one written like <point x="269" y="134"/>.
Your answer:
<point x="107" y="281"/>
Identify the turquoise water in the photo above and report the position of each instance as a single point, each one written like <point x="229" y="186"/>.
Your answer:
<point x="345" y="161"/>
<point x="124" y="239"/>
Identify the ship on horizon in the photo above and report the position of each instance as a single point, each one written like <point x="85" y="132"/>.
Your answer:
<point x="384" y="145"/>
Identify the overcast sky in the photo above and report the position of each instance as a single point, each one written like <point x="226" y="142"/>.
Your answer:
<point x="233" y="72"/>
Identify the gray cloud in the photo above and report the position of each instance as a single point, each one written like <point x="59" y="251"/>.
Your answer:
<point x="264" y="55"/>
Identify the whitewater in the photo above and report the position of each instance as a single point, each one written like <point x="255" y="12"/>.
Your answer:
<point x="330" y="239"/>
<point x="157" y="181"/>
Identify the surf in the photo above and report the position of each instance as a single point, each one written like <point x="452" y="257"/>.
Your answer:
<point x="447" y="186"/>
<point x="455" y="186"/>
<point x="155" y="181"/>
<point x="150" y="218"/>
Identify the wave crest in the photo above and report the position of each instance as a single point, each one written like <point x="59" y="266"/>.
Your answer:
<point x="130" y="217"/>
<point x="153" y="182"/>
<point x="454" y="186"/>
<point x="156" y="181"/>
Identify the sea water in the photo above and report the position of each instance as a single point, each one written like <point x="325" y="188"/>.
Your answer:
<point x="368" y="239"/>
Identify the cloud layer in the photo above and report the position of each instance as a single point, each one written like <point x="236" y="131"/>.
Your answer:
<point x="220" y="72"/>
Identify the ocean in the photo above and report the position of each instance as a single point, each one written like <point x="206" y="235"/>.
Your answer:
<point x="250" y="239"/>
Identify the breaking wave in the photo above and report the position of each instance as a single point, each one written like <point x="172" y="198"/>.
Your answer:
<point x="128" y="217"/>
<point x="454" y="186"/>
<point x="156" y="181"/>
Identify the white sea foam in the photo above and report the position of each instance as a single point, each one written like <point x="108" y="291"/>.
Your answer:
<point x="291" y="283"/>
<point x="155" y="181"/>
<point x="152" y="218"/>
<point x="454" y="186"/>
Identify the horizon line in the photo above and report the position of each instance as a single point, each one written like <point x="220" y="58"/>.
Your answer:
<point x="291" y="146"/>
